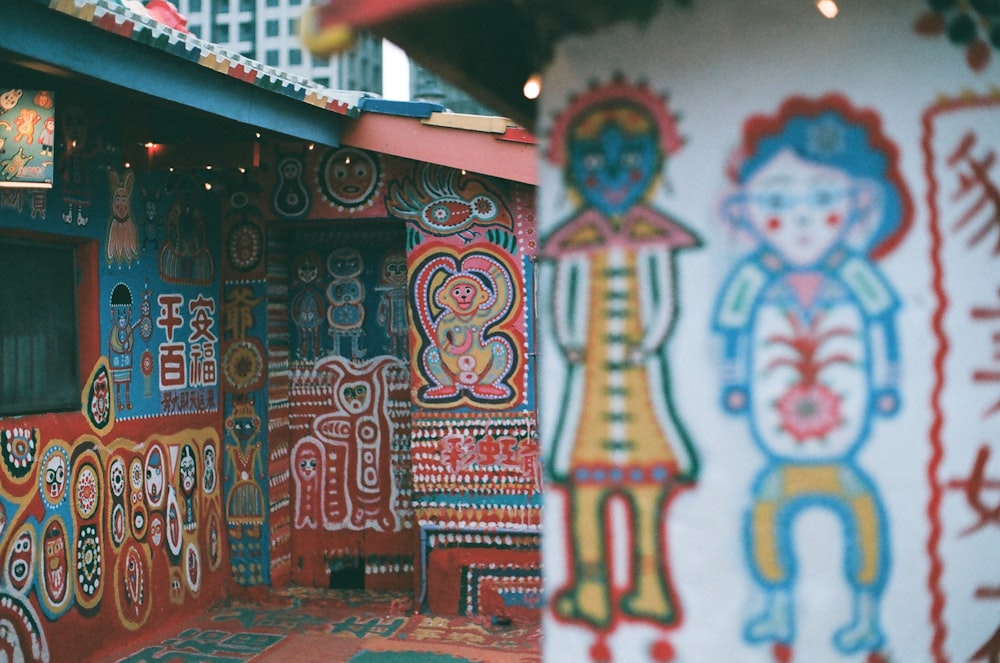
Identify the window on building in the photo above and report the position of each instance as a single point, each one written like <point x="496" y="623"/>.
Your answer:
<point x="194" y="6"/>
<point x="294" y="2"/>
<point x="40" y="365"/>
<point x="220" y="33"/>
<point x="196" y="31"/>
<point x="246" y="5"/>
<point x="272" y="3"/>
<point x="322" y="80"/>
<point x="319" y="61"/>
<point x="271" y="57"/>
<point x="246" y="31"/>
<point x="272" y="27"/>
<point x="293" y="26"/>
<point x="295" y="56"/>
<point x="221" y="6"/>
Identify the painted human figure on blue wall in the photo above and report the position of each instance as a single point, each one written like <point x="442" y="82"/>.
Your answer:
<point x="811" y="353"/>
<point x="615" y="434"/>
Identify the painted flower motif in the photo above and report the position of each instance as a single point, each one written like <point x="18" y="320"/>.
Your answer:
<point x="809" y="411"/>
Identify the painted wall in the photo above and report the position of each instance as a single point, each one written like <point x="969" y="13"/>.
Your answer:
<point x="112" y="515"/>
<point x="767" y="312"/>
<point x="413" y="282"/>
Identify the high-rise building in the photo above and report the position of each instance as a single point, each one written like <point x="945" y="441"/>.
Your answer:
<point x="268" y="31"/>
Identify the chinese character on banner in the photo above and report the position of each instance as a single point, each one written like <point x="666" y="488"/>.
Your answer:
<point x="961" y="147"/>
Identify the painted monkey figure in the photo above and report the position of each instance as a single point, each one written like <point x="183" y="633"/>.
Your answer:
<point x="811" y="355"/>
<point x="461" y="301"/>
<point x="611" y="280"/>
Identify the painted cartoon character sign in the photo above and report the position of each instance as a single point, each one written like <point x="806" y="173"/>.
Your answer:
<point x="463" y="304"/>
<point x="811" y="354"/>
<point x="614" y="435"/>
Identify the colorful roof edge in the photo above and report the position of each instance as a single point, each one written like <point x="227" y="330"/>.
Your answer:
<point x="121" y="20"/>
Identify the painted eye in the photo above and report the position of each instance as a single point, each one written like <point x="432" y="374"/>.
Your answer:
<point x="593" y="161"/>
<point x="632" y="159"/>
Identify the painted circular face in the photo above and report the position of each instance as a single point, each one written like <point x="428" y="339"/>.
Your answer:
<point x="209" y="478"/>
<point x="306" y="463"/>
<point x="121" y="204"/>
<point x="55" y="561"/>
<point x="154" y="476"/>
<point x="188" y="469"/>
<point x="53" y="476"/>
<point x="348" y="177"/>
<point x="800" y="209"/>
<point x="613" y="168"/>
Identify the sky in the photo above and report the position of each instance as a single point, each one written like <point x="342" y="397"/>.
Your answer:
<point x="395" y="72"/>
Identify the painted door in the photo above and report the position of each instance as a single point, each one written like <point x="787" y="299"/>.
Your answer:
<point x="352" y="520"/>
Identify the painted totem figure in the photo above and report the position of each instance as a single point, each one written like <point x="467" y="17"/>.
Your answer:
<point x="392" y="305"/>
<point x="346" y="296"/>
<point x="612" y="285"/>
<point x="810" y="347"/>
<point x="459" y="304"/>
<point x="308" y="306"/>
<point x="245" y="502"/>
<point x="349" y="452"/>
<point x="123" y="236"/>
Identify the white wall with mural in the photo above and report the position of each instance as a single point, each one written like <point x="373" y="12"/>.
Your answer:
<point x="769" y="335"/>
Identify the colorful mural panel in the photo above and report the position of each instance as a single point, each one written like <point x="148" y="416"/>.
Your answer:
<point x="87" y="530"/>
<point x="961" y="142"/>
<point x="468" y="340"/>
<point x="611" y="282"/>
<point x="27" y="137"/>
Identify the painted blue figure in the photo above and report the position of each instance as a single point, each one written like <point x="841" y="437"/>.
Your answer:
<point x="811" y="354"/>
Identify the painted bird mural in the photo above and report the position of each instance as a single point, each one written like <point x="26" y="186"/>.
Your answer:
<point x="443" y="202"/>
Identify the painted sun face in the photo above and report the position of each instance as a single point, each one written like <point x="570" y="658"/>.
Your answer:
<point x="800" y="209"/>
<point x="614" y="169"/>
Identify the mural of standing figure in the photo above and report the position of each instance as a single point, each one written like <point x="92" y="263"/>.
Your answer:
<point x="308" y="306"/>
<point x="392" y="304"/>
<point x="811" y="355"/>
<point x="610" y="279"/>
<point x="346" y="296"/>
<point x="121" y="341"/>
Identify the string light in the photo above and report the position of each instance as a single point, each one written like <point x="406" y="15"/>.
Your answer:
<point x="827" y="8"/>
<point x="532" y="87"/>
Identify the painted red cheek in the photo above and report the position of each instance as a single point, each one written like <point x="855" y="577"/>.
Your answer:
<point x="833" y="220"/>
<point x="774" y="223"/>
